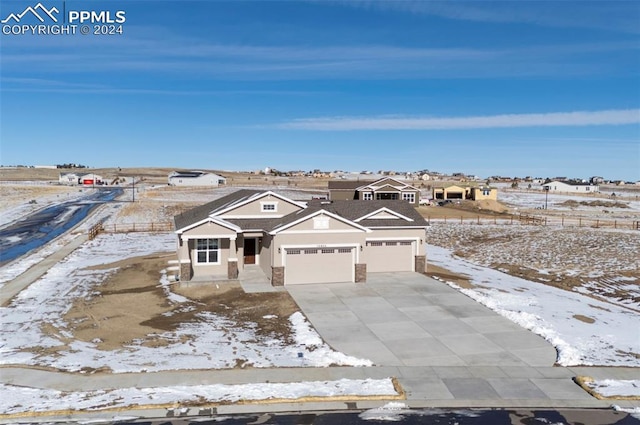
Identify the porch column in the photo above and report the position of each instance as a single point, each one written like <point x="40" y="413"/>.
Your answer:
<point x="232" y="263"/>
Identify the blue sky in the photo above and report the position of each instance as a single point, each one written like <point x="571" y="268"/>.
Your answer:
<point x="510" y="88"/>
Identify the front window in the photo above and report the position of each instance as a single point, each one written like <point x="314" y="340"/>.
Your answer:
<point x="367" y="196"/>
<point x="208" y="251"/>
<point x="409" y="197"/>
<point x="386" y="196"/>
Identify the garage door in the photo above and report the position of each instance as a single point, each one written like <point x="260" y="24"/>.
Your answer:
<point x="319" y="265"/>
<point x="390" y="256"/>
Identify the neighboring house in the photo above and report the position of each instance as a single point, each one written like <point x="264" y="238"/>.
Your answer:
<point x="449" y="192"/>
<point x="195" y="178"/>
<point x="296" y="242"/>
<point x="474" y="193"/>
<point x="69" y="178"/>
<point x="558" y="186"/>
<point x="386" y="188"/>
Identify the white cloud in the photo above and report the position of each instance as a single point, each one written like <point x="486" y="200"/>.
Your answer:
<point x="551" y="119"/>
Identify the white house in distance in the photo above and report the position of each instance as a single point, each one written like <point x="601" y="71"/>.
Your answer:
<point x="89" y="179"/>
<point x="570" y="187"/>
<point x="69" y="178"/>
<point x="195" y="178"/>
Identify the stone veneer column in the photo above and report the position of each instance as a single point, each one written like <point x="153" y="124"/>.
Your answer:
<point x="232" y="268"/>
<point x="421" y="263"/>
<point x="361" y="272"/>
<point x="277" y="276"/>
<point x="185" y="271"/>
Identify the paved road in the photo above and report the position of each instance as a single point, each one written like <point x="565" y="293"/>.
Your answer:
<point x="41" y="227"/>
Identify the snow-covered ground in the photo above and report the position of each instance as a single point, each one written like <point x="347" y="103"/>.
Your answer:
<point x="585" y="331"/>
<point x="558" y="203"/>
<point x="601" y="262"/>
<point x="615" y="388"/>
<point x="213" y="342"/>
<point x="18" y="400"/>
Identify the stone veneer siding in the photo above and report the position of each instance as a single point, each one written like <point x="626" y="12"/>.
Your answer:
<point x="277" y="276"/>
<point x="361" y="272"/>
<point x="421" y="263"/>
<point x="185" y="271"/>
<point x="232" y="269"/>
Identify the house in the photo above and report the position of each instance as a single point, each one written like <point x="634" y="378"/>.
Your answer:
<point x="570" y="187"/>
<point x="456" y="192"/>
<point x="379" y="190"/>
<point x="69" y="178"/>
<point x="296" y="242"/>
<point x="195" y="178"/>
<point x="451" y="191"/>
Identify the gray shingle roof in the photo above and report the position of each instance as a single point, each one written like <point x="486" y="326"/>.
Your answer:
<point x="197" y="214"/>
<point x="351" y="210"/>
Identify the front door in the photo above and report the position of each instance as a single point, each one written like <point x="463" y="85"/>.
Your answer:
<point x="250" y="251"/>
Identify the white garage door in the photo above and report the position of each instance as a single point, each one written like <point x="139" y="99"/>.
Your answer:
<point x="319" y="265"/>
<point x="390" y="256"/>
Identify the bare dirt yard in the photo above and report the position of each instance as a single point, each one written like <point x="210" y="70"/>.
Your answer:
<point x="130" y="305"/>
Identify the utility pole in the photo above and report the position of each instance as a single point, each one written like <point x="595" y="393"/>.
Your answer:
<point x="546" y="196"/>
<point x="133" y="189"/>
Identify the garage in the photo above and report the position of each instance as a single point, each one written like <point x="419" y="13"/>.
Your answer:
<point x="390" y="255"/>
<point x="319" y="265"/>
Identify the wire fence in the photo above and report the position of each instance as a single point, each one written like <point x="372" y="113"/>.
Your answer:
<point x="540" y="221"/>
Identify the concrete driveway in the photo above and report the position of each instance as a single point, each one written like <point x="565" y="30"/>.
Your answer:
<point x="408" y="319"/>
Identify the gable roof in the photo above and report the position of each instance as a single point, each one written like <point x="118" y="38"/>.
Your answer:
<point x="254" y="197"/>
<point x="200" y="213"/>
<point x="299" y="217"/>
<point x="393" y="214"/>
<point x="361" y="210"/>
<point x="386" y="182"/>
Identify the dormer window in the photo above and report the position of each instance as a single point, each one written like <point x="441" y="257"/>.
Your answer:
<point x="269" y="206"/>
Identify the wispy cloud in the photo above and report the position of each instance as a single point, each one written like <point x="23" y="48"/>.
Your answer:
<point x="552" y="119"/>
<point x="618" y="16"/>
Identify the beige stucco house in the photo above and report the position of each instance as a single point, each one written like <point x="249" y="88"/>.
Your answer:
<point x="299" y="242"/>
<point x="474" y="193"/>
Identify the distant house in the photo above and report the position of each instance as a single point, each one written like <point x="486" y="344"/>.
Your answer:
<point x="384" y="189"/>
<point x="296" y="242"/>
<point x="69" y="178"/>
<point x="195" y="178"/>
<point x="570" y="187"/>
<point x="457" y="192"/>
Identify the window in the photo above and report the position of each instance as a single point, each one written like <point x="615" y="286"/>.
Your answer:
<point x="409" y="197"/>
<point x="367" y="196"/>
<point x="208" y="251"/>
<point x="486" y="192"/>
<point x="269" y="206"/>
<point x="587" y="188"/>
<point x="385" y="196"/>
